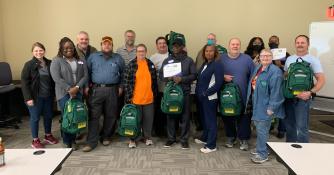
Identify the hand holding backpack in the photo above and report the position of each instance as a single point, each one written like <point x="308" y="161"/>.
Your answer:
<point x="75" y="116"/>
<point x="129" y="123"/>
<point x="299" y="79"/>
<point x="172" y="100"/>
<point x="230" y="100"/>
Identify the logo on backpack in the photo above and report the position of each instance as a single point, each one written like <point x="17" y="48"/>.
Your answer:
<point x="74" y="116"/>
<point x="171" y="37"/>
<point x="129" y="123"/>
<point x="230" y="100"/>
<point x="172" y="100"/>
<point x="299" y="79"/>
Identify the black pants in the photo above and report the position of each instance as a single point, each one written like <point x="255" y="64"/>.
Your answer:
<point x="102" y="100"/>
<point x="238" y="126"/>
<point x="159" y="122"/>
<point x="184" y="122"/>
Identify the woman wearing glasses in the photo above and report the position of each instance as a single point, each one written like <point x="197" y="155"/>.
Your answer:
<point x="265" y="93"/>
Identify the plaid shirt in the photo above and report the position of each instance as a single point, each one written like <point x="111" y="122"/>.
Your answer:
<point x="129" y="79"/>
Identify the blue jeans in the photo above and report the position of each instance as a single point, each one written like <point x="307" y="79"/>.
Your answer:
<point x="297" y="120"/>
<point x="262" y="132"/>
<point x="208" y="110"/>
<point x="68" y="138"/>
<point x="43" y="105"/>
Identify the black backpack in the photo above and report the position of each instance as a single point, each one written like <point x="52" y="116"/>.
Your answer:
<point x="300" y="78"/>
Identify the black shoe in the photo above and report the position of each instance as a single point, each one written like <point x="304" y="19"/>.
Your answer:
<point x="280" y="135"/>
<point x="169" y="143"/>
<point x="184" y="145"/>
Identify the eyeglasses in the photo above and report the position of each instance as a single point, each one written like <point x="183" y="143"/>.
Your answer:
<point x="263" y="56"/>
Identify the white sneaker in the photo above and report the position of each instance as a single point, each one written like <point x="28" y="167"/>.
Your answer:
<point x="198" y="141"/>
<point x="149" y="142"/>
<point x="132" y="144"/>
<point x="208" y="150"/>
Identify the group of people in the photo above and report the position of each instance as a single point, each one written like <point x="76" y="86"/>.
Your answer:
<point x="107" y="80"/>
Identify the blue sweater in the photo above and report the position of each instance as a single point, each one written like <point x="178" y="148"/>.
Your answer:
<point x="268" y="93"/>
<point x="241" y="68"/>
<point x="202" y="87"/>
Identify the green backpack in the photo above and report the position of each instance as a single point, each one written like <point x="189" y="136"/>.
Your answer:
<point x="300" y="78"/>
<point x="171" y="38"/>
<point x="230" y="100"/>
<point x="75" y="116"/>
<point x="172" y="100"/>
<point x="129" y="123"/>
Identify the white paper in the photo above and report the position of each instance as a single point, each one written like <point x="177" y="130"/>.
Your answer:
<point x="172" y="69"/>
<point x="278" y="53"/>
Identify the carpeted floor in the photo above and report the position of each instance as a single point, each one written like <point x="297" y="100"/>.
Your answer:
<point x="118" y="159"/>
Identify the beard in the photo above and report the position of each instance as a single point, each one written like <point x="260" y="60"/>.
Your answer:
<point x="130" y="42"/>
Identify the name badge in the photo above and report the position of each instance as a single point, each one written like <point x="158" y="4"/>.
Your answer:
<point x="80" y="62"/>
<point x="170" y="61"/>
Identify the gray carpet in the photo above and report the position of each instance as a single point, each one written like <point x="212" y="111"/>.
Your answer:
<point x="118" y="159"/>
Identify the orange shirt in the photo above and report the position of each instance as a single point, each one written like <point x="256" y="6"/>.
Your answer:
<point x="143" y="94"/>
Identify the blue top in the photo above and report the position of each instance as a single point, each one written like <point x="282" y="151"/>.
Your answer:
<point x="105" y="70"/>
<point x="268" y="93"/>
<point x="204" y="78"/>
<point x="315" y="62"/>
<point x="241" y="68"/>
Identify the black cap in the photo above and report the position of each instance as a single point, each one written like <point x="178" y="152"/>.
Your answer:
<point x="178" y="41"/>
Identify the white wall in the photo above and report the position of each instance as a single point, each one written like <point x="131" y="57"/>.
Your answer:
<point x="47" y="21"/>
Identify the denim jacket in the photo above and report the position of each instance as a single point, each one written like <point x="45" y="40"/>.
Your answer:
<point x="268" y="93"/>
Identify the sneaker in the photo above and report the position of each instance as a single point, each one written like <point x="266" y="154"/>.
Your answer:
<point x="50" y="139"/>
<point x="254" y="152"/>
<point x="73" y="146"/>
<point x="106" y="142"/>
<point x="36" y="143"/>
<point x="184" y="145"/>
<point x="258" y="159"/>
<point x="87" y="148"/>
<point x="148" y="142"/>
<point x="208" y="150"/>
<point x="244" y="145"/>
<point x="132" y="144"/>
<point x="230" y="142"/>
<point x="280" y="135"/>
<point x="198" y="141"/>
<point x="169" y="143"/>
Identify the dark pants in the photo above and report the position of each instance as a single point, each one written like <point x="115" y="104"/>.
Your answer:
<point x="297" y="120"/>
<point x="281" y="126"/>
<point x="159" y="122"/>
<point x="208" y="110"/>
<point x="146" y="120"/>
<point x="68" y="138"/>
<point x="184" y="122"/>
<point x="43" y="105"/>
<point x="238" y="126"/>
<point x="102" y="100"/>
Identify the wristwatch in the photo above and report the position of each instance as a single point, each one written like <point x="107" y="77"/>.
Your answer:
<point x="313" y="94"/>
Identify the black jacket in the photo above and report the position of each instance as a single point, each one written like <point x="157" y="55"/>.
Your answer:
<point x="188" y="70"/>
<point x="129" y="79"/>
<point x="30" y="79"/>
